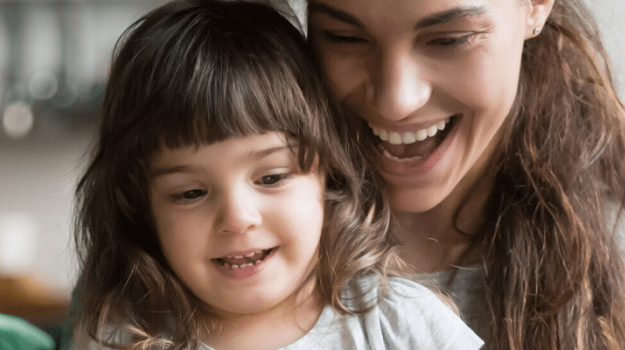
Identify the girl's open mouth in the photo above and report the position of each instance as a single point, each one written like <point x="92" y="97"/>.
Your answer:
<point x="242" y="261"/>
<point x="243" y="266"/>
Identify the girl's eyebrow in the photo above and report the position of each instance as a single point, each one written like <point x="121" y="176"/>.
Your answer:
<point x="172" y="170"/>
<point x="267" y="152"/>
<point x="434" y="19"/>
<point x="252" y="156"/>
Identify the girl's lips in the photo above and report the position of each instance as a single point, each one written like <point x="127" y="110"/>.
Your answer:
<point x="238" y="268"/>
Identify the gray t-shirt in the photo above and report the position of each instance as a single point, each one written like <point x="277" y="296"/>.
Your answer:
<point x="467" y="292"/>
<point x="409" y="317"/>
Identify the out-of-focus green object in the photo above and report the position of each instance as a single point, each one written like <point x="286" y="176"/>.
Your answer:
<point x="18" y="334"/>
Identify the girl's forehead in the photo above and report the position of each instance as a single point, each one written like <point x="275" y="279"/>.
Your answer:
<point x="245" y="148"/>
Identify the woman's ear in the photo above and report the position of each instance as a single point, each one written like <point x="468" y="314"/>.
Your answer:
<point x="537" y="13"/>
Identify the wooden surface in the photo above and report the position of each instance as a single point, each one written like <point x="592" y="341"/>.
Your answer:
<point x="25" y="298"/>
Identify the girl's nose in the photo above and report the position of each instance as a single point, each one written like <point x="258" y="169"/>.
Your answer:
<point x="397" y="87"/>
<point x="240" y="212"/>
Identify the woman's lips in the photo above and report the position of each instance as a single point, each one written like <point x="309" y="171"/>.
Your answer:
<point x="402" y="147"/>
<point x="417" y="159"/>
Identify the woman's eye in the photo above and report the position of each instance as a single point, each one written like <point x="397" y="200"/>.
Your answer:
<point x="344" y="39"/>
<point x="451" y="41"/>
<point x="273" y="179"/>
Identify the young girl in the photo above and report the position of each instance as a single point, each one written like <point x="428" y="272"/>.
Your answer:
<point x="220" y="210"/>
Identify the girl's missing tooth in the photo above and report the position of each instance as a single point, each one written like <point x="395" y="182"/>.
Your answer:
<point x="220" y="210"/>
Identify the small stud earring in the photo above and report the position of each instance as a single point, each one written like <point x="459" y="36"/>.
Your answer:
<point x="537" y="30"/>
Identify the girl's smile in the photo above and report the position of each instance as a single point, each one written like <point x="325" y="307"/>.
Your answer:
<point x="237" y="221"/>
<point x="241" y="265"/>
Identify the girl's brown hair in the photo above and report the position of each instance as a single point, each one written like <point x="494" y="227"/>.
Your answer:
<point x="195" y="72"/>
<point x="555" y="270"/>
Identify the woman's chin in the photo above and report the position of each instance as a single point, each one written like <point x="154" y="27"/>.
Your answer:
<point x="414" y="200"/>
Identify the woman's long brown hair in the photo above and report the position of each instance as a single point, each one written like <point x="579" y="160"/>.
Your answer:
<point x="554" y="263"/>
<point x="555" y="276"/>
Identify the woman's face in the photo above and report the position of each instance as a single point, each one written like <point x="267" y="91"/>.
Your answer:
<point x="434" y="79"/>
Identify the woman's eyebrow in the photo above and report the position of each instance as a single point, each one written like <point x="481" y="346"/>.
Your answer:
<point x="434" y="19"/>
<point x="335" y="13"/>
<point x="450" y="15"/>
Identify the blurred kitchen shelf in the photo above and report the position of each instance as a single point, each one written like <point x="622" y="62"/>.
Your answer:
<point x="23" y="297"/>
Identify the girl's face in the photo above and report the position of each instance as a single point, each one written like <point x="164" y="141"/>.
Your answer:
<point x="434" y="79"/>
<point x="237" y="221"/>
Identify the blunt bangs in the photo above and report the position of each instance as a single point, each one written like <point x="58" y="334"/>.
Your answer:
<point x="209" y="78"/>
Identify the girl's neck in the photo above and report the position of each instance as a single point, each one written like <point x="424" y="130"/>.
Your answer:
<point x="438" y="239"/>
<point x="272" y="329"/>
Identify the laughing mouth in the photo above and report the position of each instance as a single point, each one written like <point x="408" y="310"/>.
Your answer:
<point x="411" y="146"/>
<point x="242" y="261"/>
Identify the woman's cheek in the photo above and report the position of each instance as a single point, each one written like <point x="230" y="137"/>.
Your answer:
<point x="343" y="74"/>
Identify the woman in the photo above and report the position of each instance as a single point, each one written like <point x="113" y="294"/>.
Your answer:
<point x="502" y="141"/>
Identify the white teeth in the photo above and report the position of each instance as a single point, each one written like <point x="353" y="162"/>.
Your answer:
<point x="394" y="138"/>
<point x="236" y="267"/>
<point x="432" y="130"/>
<point x="241" y="256"/>
<point x="421" y="135"/>
<point x="383" y="134"/>
<point x="407" y="138"/>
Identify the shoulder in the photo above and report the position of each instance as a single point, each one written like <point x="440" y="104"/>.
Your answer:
<point x="410" y="316"/>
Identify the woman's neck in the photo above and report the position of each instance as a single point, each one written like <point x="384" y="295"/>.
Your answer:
<point x="438" y="239"/>
<point x="272" y="329"/>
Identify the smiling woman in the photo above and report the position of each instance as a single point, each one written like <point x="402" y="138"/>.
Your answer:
<point x="502" y="142"/>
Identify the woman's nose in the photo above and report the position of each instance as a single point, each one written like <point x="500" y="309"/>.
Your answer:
<point x="397" y="87"/>
<point x="239" y="213"/>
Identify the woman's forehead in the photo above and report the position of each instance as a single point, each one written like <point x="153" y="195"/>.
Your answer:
<point x="423" y="12"/>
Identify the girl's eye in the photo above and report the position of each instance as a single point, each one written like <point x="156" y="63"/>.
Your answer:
<point x="344" y="39"/>
<point x="189" y="195"/>
<point x="451" y="41"/>
<point x="272" y="180"/>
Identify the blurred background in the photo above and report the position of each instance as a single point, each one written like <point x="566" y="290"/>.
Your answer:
<point x="54" y="58"/>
